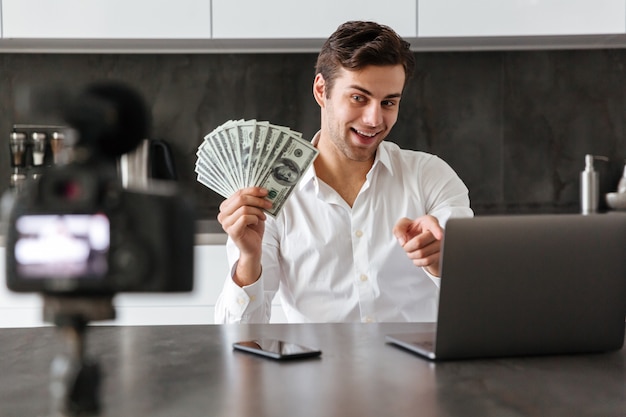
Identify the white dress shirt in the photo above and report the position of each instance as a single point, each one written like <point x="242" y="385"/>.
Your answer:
<point x="330" y="262"/>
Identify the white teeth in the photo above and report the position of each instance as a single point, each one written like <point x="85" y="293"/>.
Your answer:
<point x="370" y="135"/>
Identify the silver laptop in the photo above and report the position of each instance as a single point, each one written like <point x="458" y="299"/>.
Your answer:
<point x="520" y="285"/>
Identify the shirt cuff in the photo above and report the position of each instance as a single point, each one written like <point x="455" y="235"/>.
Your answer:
<point x="243" y="299"/>
<point x="434" y="279"/>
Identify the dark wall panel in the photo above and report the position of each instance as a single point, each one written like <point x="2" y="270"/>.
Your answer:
<point x="514" y="125"/>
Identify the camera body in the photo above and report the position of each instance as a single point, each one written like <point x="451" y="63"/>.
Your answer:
<point x="77" y="231"/>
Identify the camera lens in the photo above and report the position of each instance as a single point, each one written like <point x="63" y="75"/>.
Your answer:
<point x="70" y="190"/>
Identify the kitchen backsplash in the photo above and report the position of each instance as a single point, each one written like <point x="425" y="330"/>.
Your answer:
<point x="515" y="125"/>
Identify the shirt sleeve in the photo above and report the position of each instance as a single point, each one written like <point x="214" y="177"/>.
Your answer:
<point x="252" y="303"/>
<point x="446" y="195"/>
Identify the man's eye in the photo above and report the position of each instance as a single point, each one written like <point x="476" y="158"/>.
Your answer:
<point x="389" y="103"/>
<point x="357" y="97"/>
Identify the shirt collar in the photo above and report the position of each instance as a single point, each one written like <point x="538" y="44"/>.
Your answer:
<point x="382" y="157"/>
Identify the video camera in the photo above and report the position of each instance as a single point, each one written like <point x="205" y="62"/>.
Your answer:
<point x="76" y="231"/>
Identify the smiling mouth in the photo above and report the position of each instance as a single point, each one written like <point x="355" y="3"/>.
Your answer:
<point x="365" y="134"/>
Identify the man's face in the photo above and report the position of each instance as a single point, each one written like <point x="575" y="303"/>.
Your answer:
<point x="361" y="109"/>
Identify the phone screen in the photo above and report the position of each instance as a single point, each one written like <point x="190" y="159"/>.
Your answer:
<point x="277" y="349"/>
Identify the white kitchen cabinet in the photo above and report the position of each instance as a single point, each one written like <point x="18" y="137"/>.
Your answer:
<point x="106" y="19"/>
<point x="291" y="19"/>
<point x="284" y="26"/>
<point x="489" y="18"/>
<point x="210" y="271"/>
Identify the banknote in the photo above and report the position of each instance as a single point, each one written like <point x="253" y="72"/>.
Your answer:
<point x="244" y="153"/>
<point x="285" y="171"/>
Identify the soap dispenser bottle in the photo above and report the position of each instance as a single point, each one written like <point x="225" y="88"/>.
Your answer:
<point x="589" y="185"/>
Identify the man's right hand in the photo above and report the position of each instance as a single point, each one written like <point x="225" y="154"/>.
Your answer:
<point x="243" y="219"/>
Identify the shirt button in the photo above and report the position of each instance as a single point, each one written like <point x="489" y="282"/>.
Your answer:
<point x="368" y="319"/>
<point x="241" y="301"/>
<point x="358" y="233"/>
<point x="363" y="277"/>
<point x="252" y="297"/>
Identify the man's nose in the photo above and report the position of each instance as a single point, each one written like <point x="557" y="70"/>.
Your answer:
<point x="372" y="115"/>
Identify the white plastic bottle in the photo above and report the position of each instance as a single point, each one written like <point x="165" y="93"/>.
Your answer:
<point x="589" y="185"/>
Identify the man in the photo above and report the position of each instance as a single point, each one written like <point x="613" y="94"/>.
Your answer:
<point x="359" y="239"/>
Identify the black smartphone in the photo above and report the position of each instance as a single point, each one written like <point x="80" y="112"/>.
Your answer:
<point x="277" y="349"/>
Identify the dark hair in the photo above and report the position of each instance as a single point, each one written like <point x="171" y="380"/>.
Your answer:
<point x="357" y="44"/>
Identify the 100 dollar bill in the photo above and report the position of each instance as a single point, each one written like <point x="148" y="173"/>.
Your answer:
<point x="285" y="171"/>
<point x="245" y="153"/>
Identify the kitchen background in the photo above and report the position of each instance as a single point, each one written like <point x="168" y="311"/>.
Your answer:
<point x="515" y="125"/>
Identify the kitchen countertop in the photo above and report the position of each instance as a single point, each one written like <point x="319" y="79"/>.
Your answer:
<point x="193" y="371"/>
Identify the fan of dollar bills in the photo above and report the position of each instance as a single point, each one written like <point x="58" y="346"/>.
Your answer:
<point x="246" y="153"/>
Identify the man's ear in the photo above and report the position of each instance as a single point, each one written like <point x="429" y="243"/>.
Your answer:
<point x="319" y="90"/>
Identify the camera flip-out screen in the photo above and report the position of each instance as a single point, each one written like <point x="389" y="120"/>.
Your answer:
<point x="73" y="246"/>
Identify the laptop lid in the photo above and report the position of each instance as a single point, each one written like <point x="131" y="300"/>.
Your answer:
<point x="530" y="285"/>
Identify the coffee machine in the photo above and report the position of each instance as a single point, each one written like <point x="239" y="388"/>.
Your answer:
<point x="33" y="147"/>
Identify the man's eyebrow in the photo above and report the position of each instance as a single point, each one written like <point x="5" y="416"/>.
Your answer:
<point x="367" y="92"/>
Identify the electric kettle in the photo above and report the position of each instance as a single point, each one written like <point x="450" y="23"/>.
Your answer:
<point x="152" y="159"/>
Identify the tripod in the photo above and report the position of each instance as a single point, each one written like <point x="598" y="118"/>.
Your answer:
<point x="75" y="379"/>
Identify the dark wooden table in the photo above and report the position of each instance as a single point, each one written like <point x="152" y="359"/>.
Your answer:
<point x="193" y="371"/>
